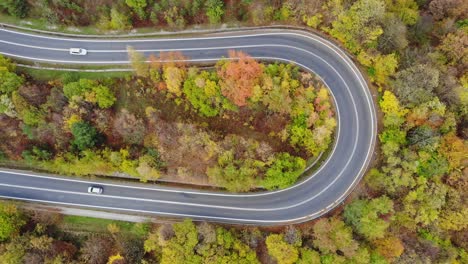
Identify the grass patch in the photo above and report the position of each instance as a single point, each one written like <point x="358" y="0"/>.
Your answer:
<point x="97" y="225"/>
<point x="49" y="75"/>
<point x="41" y="24"/>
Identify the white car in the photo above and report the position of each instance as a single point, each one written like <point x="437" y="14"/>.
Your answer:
<point x="95" y="189"/>
<point x="78" y="51"/>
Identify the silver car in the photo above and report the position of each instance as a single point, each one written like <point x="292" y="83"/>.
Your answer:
<point x="95" y="189"/>
<point x="78" y="51"/>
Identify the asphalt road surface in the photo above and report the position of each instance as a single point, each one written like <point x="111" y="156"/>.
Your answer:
<point x="318" y="193"/>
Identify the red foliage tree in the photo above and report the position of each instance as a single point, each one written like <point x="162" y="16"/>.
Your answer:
<point x="239" y="76"/>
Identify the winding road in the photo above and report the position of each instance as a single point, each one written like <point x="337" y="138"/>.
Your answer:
<point x="317" y="194"/>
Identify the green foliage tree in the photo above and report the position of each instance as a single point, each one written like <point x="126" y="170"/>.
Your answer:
<point x="11" y="221"/>
<point x="423" y="137"/>
<point x="406" y="10"/>
<point x="415" y="85"/>
<point x="280" y="250"/>
<point x="17" y="8"/>
<point x="6" y="64"/>
<point x="235" y="175"/>
<point x="138" y="6"/>
<point x="283" y="171"/>
<point x="204" y="93"/>
<point x="9" y="82"/>
<point x="214" y="10"/>
<point x="367" y="216"/>
<point x="28" y="113"/>
<point x="394" y="37"/>
<point x="226" y="249"/>
<point x="359" y="27"/>
<point x="423" y="205"/>
<point x="454" y="220"/>
<point x="174" y="17"/>
<point x="119" y="20"/>
<point x="331" y="235"/>
<point x="85" y="135"/>
<point x="78" y="88"/>
<point x="90" y="91"/>
<point x="181" y="248"/>
<point x="104" y="97"/>
<point x="308" y="256"/>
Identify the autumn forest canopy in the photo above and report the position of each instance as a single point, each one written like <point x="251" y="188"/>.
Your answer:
<point x="241" y="126"/>
<point x="409" y="208"/>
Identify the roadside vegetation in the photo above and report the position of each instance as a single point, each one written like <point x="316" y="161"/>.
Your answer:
<point x="241" y="125"/>
<point x="411" y="207"/>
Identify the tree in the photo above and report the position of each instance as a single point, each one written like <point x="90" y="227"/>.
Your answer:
<point x="369" y="217"/>
<point x="406" y="10"/>
<point x="6" y="106"/>
<point x="14" y="251"/>
<point x="454" y="47"/>
<point x="174" y="77"/>
<point x="85" y="135"/>
<point x="78" y="89"/>
<point x="128" y="127"/>
<point x="441" y="9"/>
<point x="214" y="10"/>
<point x="6" y="64"/>
<point x="331" y="235"/>
<point x="17" y="8"/>
<point x="11" y="221"/>
<point x="280" y="250"/>
<point x="394" y="37"/>
<point x="151" y="244"/>
<point x="118" y="20"/>
<point x="415" y="85"/>
<point x="389" y="247"/>
<point x="423" y="205"/>
<point x="235" y="175"/>
<point x="454" y="149"/>
<point x="174" y="17"/>
<point x="283" y="172"/>
<point x="238" y="77"/>
<point x="29" y="114"/>
<point x="454" y="220"/>
<point x="138" y="62"/>
<point x="358" y="27"/>
<point x="204" y="94"/>
<point x="104" y="97"/>
<point x="96" y="250"/>
<point x="384" y="66"/>
<point x="226" y="248"/>
<point x="9" y="82"/>
<point x="390" y="106"/>
<point x="181" y="248"/>
<point x="115" y="259"/>
<point x="138" y="6"/>
<point x="147" y="168"/>
<point x="308" y="256"/>
<point x="423" y="137"/>
<point x="90" y="91"/>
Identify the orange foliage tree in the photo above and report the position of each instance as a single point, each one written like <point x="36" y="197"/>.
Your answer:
<point x="239" y="76"/>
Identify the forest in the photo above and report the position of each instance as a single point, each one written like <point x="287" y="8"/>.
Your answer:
<point x="241" y="126"/>
<point x="411" y="206"/>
